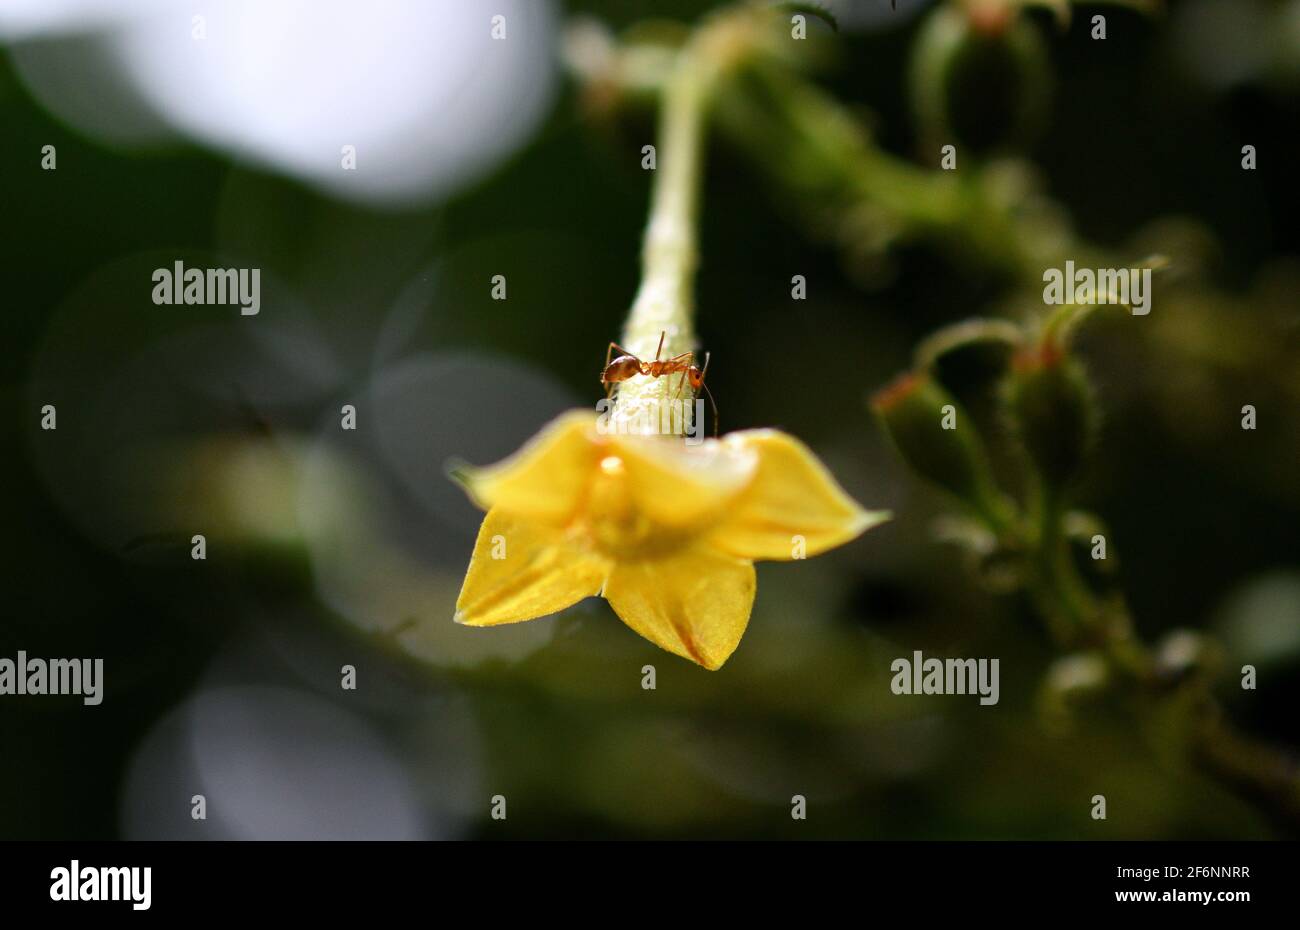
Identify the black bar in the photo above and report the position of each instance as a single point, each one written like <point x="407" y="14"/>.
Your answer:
<point x="440" y="879"/>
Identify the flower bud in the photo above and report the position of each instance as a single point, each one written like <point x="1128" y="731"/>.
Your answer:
<point x="973" y="353"/>
<point x="936" y="438"/>
<point x="979" y="77"/>
<point x="1051" y="405"/>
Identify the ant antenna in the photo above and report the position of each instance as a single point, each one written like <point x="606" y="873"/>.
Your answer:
<point x="712" y="402"/>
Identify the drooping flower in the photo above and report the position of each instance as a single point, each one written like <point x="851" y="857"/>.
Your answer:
<point x="665" y="531"/>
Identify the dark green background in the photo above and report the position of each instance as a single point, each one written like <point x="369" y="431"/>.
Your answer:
<point x="1194" y="513"/>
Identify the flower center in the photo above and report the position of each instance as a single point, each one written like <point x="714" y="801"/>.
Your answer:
<point x="614" y="524"/>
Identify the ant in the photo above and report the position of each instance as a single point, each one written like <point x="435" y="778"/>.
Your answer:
<point x="627" y="366"/>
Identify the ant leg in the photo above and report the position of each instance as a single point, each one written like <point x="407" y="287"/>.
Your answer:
<point x="681" y="385"/>
<point x="686" y="370"/>
<point x="609" y="353"/>
<point x="669" y="365"/>
<point x="676" y="363"/>
<point x="681" y="382"/>
<point x="662" y="334"/>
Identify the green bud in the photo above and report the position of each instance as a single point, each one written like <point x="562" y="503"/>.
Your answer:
<point x="1051" y="405"/>
<point x="937" y="439"/>
<point x="979" y="77"/>
<point x="970" y="355"/>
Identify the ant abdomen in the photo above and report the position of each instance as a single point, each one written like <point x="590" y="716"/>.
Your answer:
<point x="621" y="369"/>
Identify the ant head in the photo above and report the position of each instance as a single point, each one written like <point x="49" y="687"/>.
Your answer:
<point x="696" y="375"/>
<point x="622" y="368"/>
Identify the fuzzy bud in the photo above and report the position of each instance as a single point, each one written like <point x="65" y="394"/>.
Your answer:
<point x="937" y="439"/>
<point x="1051" y="405"/>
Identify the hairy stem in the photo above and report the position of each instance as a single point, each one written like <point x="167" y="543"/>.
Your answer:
<point x="664" y="303"/>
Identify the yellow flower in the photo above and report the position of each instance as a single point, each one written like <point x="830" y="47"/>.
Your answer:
<point x="665" y="531"/>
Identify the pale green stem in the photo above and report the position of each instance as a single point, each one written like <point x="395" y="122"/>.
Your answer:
<point x="670" y="253"/>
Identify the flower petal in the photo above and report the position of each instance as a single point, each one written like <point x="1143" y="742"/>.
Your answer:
<point x="695" y="604"/>
<point x="541" y="572"/>
<point x="792" y="495"/>
<point x="545" y="479"/>
<point x="675" y="484"/>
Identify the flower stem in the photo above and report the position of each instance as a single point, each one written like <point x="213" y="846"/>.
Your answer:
<point x="670" y="253"/>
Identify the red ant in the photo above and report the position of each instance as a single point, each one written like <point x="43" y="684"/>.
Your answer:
<point x="627" y="366"/>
